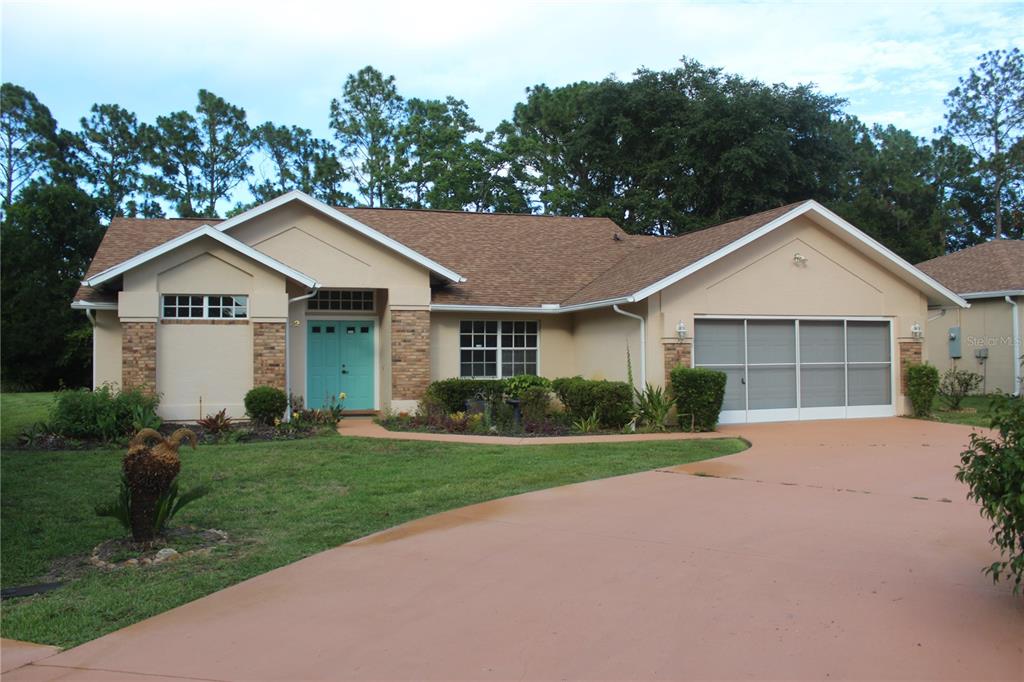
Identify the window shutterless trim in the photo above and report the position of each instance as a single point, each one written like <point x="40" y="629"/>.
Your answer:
<point x="499" y="348"/>
<point x="244" y="298"/>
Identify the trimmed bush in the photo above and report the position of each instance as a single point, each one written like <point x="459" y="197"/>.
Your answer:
<point x="265" y="404"/>
<point x="454" y="393"/>
<point x="516" y="386"/>
<point x="699" y="393"/>
<point x="535" y="403"/>
<point x="612" y="401"/>
<point x="922" y="387"/>
<point x="103" y="414"/>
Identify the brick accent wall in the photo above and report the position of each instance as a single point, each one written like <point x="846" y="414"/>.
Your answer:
<point x="138" y="355"/>
<point x="410" y="353"/>
<point x="910" y="354"/>
<point x="268" y="361"/>
<point x="676" y="353"/>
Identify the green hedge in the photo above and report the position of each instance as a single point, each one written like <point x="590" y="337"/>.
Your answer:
<point x="103" y="414"/>
<point x="922" y="387"/>
<point x="454" y="393"/>
<point x="699" y="394"/>
<point x="612" y="400"/>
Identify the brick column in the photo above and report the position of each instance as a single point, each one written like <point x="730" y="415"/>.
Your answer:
<point x="410" y="353"/>
<point x="676" y="353"/>
<point x="910" y="354"/>
<point x="268" y="354"/>
<point x="138" y="356"/>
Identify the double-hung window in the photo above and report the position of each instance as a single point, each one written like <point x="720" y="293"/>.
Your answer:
<point x="216" y="307"/>
<point x="489" y="349"/>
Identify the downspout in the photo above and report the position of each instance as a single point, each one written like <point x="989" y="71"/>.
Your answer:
<point x="643" y="343"/>
<point x="288" y="347"/>
<point x="92" y="320"/>
<point x="1016" y="345"/>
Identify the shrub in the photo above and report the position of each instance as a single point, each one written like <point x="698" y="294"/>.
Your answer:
<point x="535" y="403"/>
<point x="587" y="424"/>
<point x="653" y="405"/>
<point x="103" y="414"/>
<point x="922" y="387"/>
<point x="266" y="404"/>
<point x="612" y="401"/>
<point x="993" y="469"/>
<point x="699" y="393"/>
<point x="956" y="384"/>
<point x="515" y="386"/>
<point x="454" y="393"/>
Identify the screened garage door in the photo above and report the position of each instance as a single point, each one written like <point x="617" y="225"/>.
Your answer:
<point x="787" y="369"/>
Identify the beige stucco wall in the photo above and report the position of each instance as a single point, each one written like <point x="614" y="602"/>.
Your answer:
<point x="601" y="339"/>
<point x="203" y="368"/>
<point x="763" y="279"/>
<point x="106" y="356"/>
<point x="335" y="255"/>
<point x="556" y="356"/>
<point x="988" y="323"/>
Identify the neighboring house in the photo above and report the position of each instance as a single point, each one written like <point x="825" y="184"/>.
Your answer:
<point x="808" y="316"/>
<point x="985" y="338"/>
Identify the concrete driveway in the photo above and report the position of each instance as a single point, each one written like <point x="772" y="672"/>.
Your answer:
<point x="831" y="550"/>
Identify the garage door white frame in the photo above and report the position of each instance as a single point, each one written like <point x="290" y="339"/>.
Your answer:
<point x="799" y="412"/>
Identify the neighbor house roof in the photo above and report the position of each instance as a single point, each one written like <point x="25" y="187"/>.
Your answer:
<point x="515" y="261"/>
<point x="995" y="268"/>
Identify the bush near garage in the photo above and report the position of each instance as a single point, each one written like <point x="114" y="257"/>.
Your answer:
<point x="922" y="387"/>
<point x="957" y="384"/>
<point x="611" y="401"/>
<point x="699" y="393"/>
<point x="993" y="469"/>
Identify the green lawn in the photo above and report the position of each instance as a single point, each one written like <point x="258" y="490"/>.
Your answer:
<point x="974" y="411"/>
<point x="18" y="410"/>
<point x="279" y="501"/>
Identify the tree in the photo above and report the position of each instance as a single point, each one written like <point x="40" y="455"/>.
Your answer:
<point x="298" y="160"/>
<point x="986" y="113"/>
<point x="201" y="158"/>
<point x="28" y="137"/>
<point x="893" y="193"/>
<point x="48" y="237"/>
<point x="366" y="122"/>
<point x="113" y="143"/>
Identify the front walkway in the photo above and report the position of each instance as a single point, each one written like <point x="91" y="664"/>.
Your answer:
<point x="839" y="550"/>
<point x="366" y="427"/>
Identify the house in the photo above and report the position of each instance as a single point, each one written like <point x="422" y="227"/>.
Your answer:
<point x="985" y="338"/>
<point x="808" y="317"/>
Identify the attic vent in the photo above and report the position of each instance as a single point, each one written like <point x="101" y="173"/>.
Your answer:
<point x="616" y="236"/>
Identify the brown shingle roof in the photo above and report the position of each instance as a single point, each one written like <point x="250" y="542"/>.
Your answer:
<point x="668" y="255"/>
<point x="997" y="265"/>
<point x="507" y="259"/>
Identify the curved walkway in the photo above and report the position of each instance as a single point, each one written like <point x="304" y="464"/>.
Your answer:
<point x="838" y="550"/>
<point x="366" y="427"/>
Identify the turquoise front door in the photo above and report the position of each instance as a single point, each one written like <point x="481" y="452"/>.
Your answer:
<point x="339" y="359"/>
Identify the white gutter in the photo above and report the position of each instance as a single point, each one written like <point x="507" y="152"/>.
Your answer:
<point x="542" y="309"/>
<point x="1002" y="293"/>
<point x="643" y="344"/>
<point x="287" y="349"/>
<point x="1016" y="345"/>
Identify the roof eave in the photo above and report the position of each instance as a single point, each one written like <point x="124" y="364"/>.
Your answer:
<point x="993" y="294"/>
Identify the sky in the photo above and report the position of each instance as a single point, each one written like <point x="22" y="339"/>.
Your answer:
<point x="284" y="61"/>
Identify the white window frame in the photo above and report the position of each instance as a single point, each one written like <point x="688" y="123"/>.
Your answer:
<point x="206" y="307"/>
<point x="340" y="309"/>
<point x="498" y="348"/>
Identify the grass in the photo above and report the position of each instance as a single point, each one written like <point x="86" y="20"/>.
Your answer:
<point x="974" y="411"/>
<point x="279" y="502"/>
<point x="19" y="410"/>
